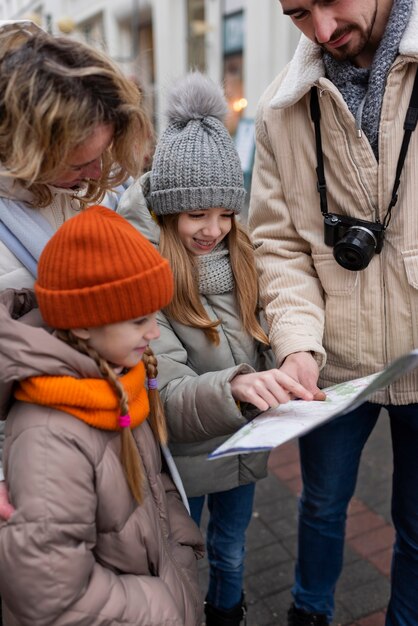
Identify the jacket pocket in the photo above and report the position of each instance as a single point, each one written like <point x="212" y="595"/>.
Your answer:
<point x="410" y="259"/>
<point x="342" y="312"/>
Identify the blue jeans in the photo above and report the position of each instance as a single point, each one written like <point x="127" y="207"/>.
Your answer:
<point x="229" y="516"/>
<point x="330" y="457"/>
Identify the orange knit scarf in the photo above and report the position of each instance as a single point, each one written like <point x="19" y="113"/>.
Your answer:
<point x="92" y="400"/>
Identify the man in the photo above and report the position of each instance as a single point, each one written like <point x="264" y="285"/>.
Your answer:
<point x="361" y="58"/>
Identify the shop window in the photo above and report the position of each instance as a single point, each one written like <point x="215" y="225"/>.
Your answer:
<point x="233" y="45"/>
<point x="197" y="28"/>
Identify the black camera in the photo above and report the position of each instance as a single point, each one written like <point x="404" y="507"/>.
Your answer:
<point x="355" y="242"/>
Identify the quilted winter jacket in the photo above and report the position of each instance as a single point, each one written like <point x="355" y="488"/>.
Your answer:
<point x="79" y="550"/>
<point x="194" y="381"/>
<point x="355" y="322"/>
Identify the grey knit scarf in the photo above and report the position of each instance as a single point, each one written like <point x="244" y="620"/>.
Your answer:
<point x="363" y="88"/>
<point x="215" y="271"/>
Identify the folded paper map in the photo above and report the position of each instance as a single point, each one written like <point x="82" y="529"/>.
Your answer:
<point x="297" y="417"/>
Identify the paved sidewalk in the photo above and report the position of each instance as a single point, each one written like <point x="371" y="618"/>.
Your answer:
<point x="363" y="590"/>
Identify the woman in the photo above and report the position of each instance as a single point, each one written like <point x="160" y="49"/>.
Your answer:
<point x="72" y="127"/>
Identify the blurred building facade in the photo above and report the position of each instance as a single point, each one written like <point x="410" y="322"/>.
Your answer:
<point x="242" y="43"/>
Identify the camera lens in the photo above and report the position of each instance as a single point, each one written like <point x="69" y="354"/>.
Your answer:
<point x="355" y="249"/>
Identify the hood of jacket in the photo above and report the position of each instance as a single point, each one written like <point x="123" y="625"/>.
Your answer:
<point x="28" y="349"/>
<point x="307" y="67"/>
<point x="133" y="206"/>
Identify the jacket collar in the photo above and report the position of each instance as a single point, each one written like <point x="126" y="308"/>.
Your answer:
<point x="307" y="67"/>
<point x="10" y="188"/>
<point x="28" y="349"/>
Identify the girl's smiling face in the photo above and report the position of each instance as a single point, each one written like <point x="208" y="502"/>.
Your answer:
<point x="202" y="229"/>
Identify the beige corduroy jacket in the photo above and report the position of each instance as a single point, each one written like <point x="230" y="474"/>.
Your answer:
<point x="356" y="322"/>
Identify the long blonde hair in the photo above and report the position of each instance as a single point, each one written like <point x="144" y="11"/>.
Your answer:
<point x="186" y="306"/>
<point x="54" y="92"/>
<point x="129" y="455"/>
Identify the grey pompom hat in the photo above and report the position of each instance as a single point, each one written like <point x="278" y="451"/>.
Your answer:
<point x="196" y="165"/>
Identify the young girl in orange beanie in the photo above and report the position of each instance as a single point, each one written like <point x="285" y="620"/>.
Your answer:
<point x="100" y="534"/>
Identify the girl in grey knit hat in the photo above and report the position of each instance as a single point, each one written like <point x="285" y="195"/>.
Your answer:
<point x="213" y="353"/>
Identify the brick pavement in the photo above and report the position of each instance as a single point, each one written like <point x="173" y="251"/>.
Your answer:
<point x="363" y="590"/>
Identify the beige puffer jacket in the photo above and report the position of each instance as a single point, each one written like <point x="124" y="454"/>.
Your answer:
<point x="360" y="320"/>
<point x="79" y="550"/>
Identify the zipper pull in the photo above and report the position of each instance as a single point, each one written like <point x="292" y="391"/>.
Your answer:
<point x="358" y="117"/>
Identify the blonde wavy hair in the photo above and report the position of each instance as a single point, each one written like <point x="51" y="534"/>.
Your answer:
<point x="186" y="306"/>
<point x="129" y="454"/>
<point x="54" y="92"/>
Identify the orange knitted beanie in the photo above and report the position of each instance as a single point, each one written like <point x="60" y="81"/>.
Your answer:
<point x="98" y="269"/>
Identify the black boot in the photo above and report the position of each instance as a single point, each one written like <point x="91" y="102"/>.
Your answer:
<point x="297" y="617"/>
<point x="228" y="617"/>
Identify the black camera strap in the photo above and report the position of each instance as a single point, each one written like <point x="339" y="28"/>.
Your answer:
<point x="321" y="184"/>
<point x="410" y="124"/>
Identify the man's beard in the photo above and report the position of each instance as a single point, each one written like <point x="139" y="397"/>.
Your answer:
<point x="344" y="53"/>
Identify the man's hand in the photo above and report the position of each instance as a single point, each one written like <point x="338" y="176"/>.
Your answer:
<point x="267" y="389"/>
<point x="6" y="508"/>
<point x="302" y="367"/>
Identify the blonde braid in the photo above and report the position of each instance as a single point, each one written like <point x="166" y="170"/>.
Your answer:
<point x="129" y="454"/>
<point x="156" y="417"/>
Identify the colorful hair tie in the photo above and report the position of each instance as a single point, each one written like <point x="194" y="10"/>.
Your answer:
<point x="124" y="421"/>
<point x="152" y="383"/>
